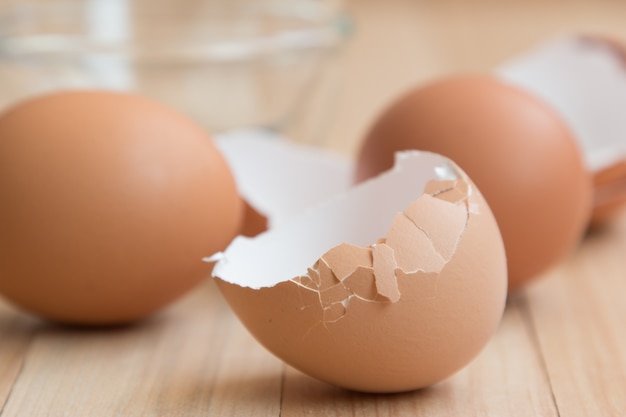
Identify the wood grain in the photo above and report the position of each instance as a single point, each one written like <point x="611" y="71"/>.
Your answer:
<point x="579" y="314"/>
<point x="194" y="359"/>
<point x="16" y="333"/>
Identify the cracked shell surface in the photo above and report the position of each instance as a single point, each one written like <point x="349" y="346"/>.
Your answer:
<point x="403" y="313"/>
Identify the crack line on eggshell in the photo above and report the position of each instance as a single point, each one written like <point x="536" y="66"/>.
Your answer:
<point x="430" y="240"/>
<point x="325" y="307"/>
<point x="468" y="213"/>
<point x="345" y="302"/>
<point x="442" y="191"/>
<point x="470" y="208"/>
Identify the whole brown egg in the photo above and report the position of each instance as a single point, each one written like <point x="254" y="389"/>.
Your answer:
<point x="517" y="150"/>
<point x="109" y="203"/>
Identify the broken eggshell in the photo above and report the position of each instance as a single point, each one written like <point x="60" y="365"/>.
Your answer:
<point x="279" y="178"/>
<point x="392" y="286"/>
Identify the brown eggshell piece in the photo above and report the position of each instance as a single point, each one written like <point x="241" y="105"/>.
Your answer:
<point x="405" y="238"/>
<point x="109" y="203"/>
<point x="518" y="151"/>
<point x="609" y="196"/>
<point x="358" y="319"/>
<point x="385" y="272"/>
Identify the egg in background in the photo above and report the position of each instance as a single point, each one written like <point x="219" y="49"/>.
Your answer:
<point x="515" y="148"/>
<point x="109" y="203"/>
<point x="583" y="78"/>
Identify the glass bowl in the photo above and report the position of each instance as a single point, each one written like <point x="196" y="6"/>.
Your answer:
<point x="225" y="63"/>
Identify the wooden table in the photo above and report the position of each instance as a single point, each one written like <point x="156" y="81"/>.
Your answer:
<point x="561" y="347"/>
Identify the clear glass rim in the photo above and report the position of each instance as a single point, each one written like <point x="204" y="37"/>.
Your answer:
<point x="325" y="29"/>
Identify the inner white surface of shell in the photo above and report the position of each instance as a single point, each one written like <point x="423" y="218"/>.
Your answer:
<point x="405" y="206"/>
<point x="281" y="178"/>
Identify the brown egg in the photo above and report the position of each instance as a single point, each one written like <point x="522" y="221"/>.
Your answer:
<point x="516" y="149"/>
<point x="109" y="203"/>
<point x="393" y="286"/>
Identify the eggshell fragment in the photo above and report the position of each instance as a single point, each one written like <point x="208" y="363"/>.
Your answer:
<point x="392" y="286"/>
<point x="609" y="195"/>
<point x="280" y="178"/>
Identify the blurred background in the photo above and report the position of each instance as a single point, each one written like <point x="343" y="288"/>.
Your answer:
<point x="225" y="63"/>
<point x="318" y="71"/>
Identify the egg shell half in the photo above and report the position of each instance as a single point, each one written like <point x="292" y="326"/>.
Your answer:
<point x="392" y="286"/>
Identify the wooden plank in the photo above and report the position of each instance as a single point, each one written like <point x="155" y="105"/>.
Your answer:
<point x="16" y="333"/>
<point x="249" y="380"/>
<point x="507" y="379"/>
<point x="177" y="364"/>
<point x="580" y="316"/>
